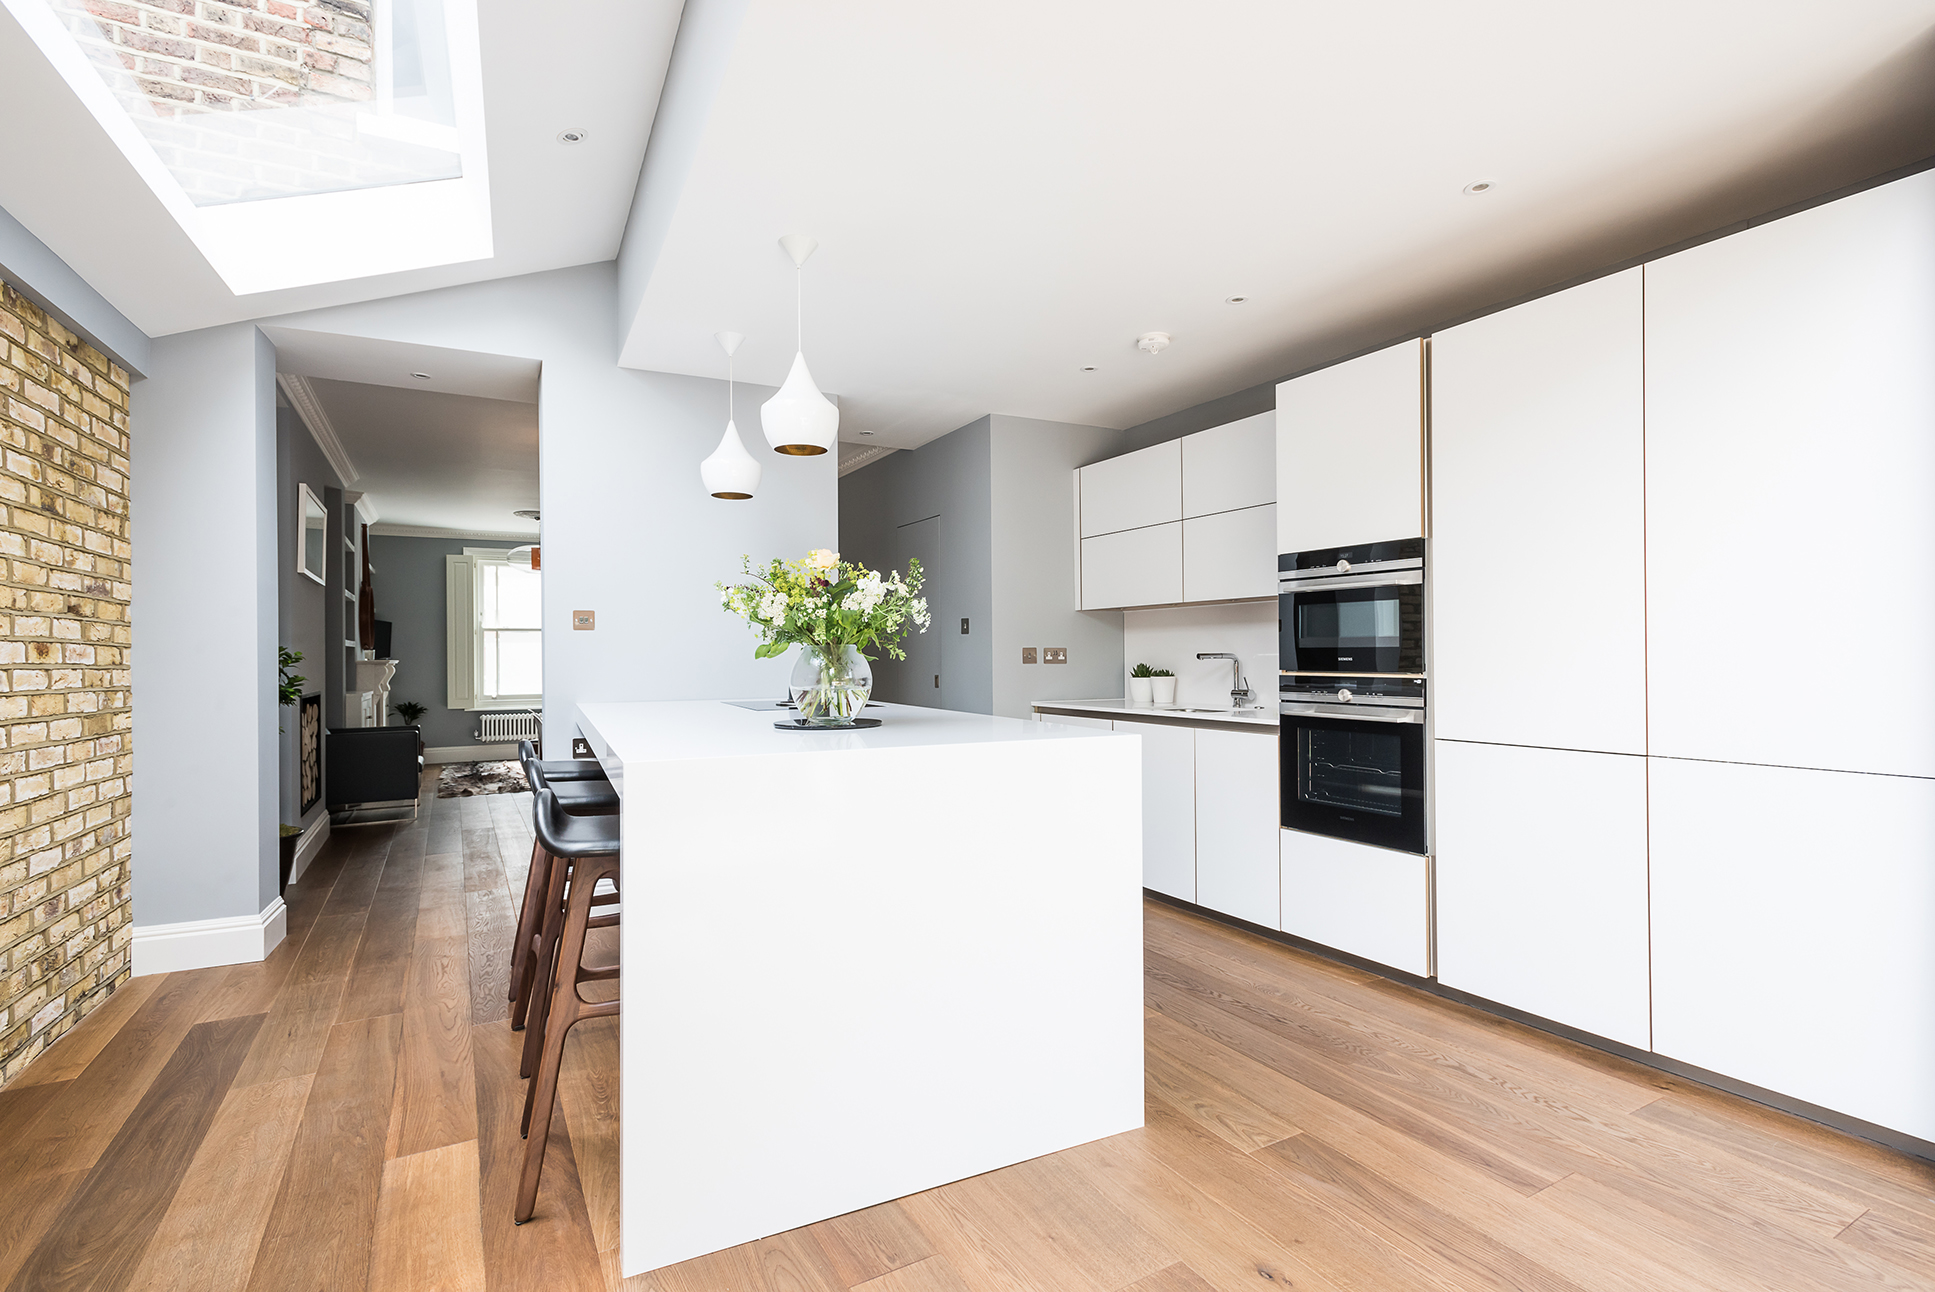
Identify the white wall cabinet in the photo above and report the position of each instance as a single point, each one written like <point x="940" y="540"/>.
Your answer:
<point x="1791" y="933"/>
<point x="1236" y="824"/>
<point x="1230" y="556"/>
<point x="1538" y="425"/>
<point x="1350" y="452"/>
<point x="1168" y="807"/>
<point x="1230" y="467"/>
<point x="1369" y="902"/>
<point x="1134" y="490"/>
<point x="1537" y="909"/>
<point x="1790" y="398"/>
<point x="1135" y="567"/>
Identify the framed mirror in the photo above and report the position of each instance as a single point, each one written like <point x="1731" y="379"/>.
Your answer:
<point x="311" y="540"/>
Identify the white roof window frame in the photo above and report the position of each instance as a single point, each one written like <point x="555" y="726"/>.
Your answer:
<point x="281" y="242"/>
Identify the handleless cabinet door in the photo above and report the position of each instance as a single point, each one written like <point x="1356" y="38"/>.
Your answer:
<point x="1538" y="521"/>
<point x="1794" y="933"/>
<point x="1350" y="452"/>
<point x="1790" y="487"/>
<point x="1230" y="556"/>
<point x="1227" y="468"/>
<point x="1134" y="490"/>
<point x="1137" y="567"/>
<point x="1168" y="807"/>
<point x="1236" y="824"/>
<point x="1363" y="901"/>
<point x="1537" y="909"/>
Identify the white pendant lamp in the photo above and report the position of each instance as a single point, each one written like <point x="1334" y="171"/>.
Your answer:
<point x="799" y="420"/>
<point x="730" y="472"/>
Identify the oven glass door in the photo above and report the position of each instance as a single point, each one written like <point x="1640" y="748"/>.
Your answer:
<point x="1355" y="779"/>
<point x="1374" y="629"/>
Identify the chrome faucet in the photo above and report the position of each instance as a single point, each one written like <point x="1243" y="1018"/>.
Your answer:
<point x="1240" y="693"/>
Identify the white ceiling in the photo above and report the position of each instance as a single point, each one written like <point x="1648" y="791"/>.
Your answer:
<point x="597" y="65"/>
<point x="1006" y="191"/>
<point x="436" y="460"/>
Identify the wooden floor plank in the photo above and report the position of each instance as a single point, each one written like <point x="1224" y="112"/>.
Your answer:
<point x="298" y="1024"/>
<point x="1177" y="1278"/>
<point x="588" y="1101"/>
<point x="28" y="1215"/>
<point x="436" y="1087"/>
<point x="320" y="1229"/>
<point x="98" y="1240"/>
<point x="207" y="1240"/>
<point x="931" y="1275"/>
<point x="427" y="1232"/>
<point x="864" y="1245"/>
<point x="67" y="1057"/>
<point x="380" y="975"/>
<point x="491" y="922"/>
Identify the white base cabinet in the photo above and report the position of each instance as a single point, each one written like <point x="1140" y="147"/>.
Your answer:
<point x="1168" y="807"/>
<point x="1541" y="876"/>
<point x="1236" y="824"/>
<point x="1364" y="901"/>
<point x="1792" y="948"/>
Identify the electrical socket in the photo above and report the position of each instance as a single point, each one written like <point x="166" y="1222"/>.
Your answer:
<point x="1054" y="654"/>
<point x="1027" y="654"/>
<point x="580" y="747"/>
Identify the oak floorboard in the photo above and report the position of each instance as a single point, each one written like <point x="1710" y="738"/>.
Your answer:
<point x="933" y="1274"/>
<point x="491" y="925"/>
<point x="380" y="973"/>
<point x="207" y="1240"/>
<point x="29" y="1214"/>
<point x="588" y="1101"/>
<point x="864" y="1245"/>
<point x="98" y="1239"/>
<point x="320" y="1229"/>
<point x="1177" y="1278"/>
<point x="427" y="1235"/>
<point x="1224" y="1112"/>
<point x="1902" y="1239"/>
<point x="297" y="1026"/>
<point x="436" y="1086"/>
<point x="67" y="1057"/>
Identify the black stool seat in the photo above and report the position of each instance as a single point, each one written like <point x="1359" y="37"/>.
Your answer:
<point x="572" y="837"/>
<point x="583" y="797"/>
<point x="560" y="769"/>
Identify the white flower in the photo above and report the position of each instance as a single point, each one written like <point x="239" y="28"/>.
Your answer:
<point x="773" y="606"/>
<point x="822" y="559"/>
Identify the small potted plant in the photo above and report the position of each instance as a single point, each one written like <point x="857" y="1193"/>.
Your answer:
<point x="1139" y="685"/>
<point x="1162" y="687"/>
<point x="410" y="711"/>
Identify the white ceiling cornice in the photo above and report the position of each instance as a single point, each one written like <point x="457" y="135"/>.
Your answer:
<point x="431" y="531"/>
<point x="302" y="397"/>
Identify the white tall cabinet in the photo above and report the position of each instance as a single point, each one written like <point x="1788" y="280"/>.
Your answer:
<point x="1350" y="452"/>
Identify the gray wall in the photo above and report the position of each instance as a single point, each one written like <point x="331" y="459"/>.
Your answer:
<point x="203" y="475"/>
<point x="409" y="578"/>
<point x="1036" y="591"/>
<point x="301" y="601"/>
<point x="950" y="478"/>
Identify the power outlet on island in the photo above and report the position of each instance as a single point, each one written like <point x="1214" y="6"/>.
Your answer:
<point x="580" y="747"/>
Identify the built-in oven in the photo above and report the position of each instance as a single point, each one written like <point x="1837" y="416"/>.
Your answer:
<point x="1352" y="611"/>
<point x="1353" y="761"/>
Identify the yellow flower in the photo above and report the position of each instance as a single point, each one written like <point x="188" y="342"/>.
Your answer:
<point x="822" y="559"/>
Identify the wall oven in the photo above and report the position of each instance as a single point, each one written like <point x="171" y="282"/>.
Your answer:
<point x="1353" y="759"/>
<point x="1352" y="611"/>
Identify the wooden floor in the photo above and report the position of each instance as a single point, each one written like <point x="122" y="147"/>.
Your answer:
<point x="344" y="1116"/>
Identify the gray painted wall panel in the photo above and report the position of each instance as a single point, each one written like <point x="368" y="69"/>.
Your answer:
<point x="409" y="581"/>
<point x="301" y="601"/>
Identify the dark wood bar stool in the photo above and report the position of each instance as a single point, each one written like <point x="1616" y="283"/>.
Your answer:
<point x="585" y="854"/>
<point x="584" y="795"/>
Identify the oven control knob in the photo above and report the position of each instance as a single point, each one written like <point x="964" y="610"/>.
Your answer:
<point x="1343" y="695"/>
<point x="1343" y="567"/>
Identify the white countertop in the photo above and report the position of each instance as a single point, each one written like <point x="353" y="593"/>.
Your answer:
<point x="1259" y="717"/>
<point x="644" y="732"/>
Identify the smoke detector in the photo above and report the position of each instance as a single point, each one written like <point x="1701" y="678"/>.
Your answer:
<point x="1153" y="342"/>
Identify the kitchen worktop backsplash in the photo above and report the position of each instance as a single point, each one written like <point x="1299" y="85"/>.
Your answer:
<point x="1170" y="638"/>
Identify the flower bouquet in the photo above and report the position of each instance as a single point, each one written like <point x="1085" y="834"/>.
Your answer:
<point x="836" y="610"/>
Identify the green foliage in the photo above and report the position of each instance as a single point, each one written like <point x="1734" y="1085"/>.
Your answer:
<point x="1142" y="670"/>
<point x="290" y="689"/>
<point x="824" y="602"/>
<point x="409" y="710"/>
<point x="1160" y="672"/>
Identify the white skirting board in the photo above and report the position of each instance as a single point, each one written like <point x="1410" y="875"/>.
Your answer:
<point x="469" y="753"/>
<point x="203" y="944"/>
<point x="309" y="845"/>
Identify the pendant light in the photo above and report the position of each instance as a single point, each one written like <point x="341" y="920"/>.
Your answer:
<point x="730" y="472"/>
<point x="799" y="420"/>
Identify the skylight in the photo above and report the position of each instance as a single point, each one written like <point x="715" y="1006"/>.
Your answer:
<point x="296" y="141"/>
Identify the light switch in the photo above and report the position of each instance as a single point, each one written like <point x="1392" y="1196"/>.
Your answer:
<point x="1027" y="654"/>
<point x="964" y="631"/>
<point x="1054" y="654"/>
<point x="584" y="621"/>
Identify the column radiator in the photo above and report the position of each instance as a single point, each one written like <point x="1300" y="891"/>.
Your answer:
<point x="497" y="728"/>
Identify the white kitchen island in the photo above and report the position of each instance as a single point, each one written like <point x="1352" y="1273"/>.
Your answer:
<point x="861" y="964"/>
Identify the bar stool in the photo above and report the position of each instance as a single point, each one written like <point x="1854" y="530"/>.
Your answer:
<point x="586" y="847"/>
<point x="585" y="796"/>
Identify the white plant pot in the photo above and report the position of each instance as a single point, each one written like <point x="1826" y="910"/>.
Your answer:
<point x="1139" y="690"/>
<point x="1162" y="690"/>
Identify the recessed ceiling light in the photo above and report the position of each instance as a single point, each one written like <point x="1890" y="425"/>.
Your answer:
<point x="525" y="515"/>
<point x="421" y="376"/>
<point x="1478" y="186"/>
<point x="1088" y="367"/>
<point x="867" y="434"/>
<point x="573" y="136"/>
<point x="1234" y="300"/>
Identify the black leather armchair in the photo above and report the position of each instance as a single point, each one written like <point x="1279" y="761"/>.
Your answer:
<point x="372" y="765"/>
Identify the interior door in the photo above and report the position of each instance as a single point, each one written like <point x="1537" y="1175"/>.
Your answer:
<point x="916" y="679"/>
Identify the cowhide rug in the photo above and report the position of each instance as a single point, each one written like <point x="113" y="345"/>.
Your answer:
<point x="464" y="780"/>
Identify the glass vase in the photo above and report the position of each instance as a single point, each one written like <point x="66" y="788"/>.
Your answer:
<point x="831" y="685"/>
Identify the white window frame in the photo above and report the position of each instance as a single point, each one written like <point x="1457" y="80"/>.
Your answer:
<point x="464" y="637"/>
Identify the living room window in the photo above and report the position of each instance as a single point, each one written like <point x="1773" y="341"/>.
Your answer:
<point x="494" y="616"/>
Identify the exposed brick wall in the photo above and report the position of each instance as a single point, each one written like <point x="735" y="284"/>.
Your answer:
<point x="65" y="716"/>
